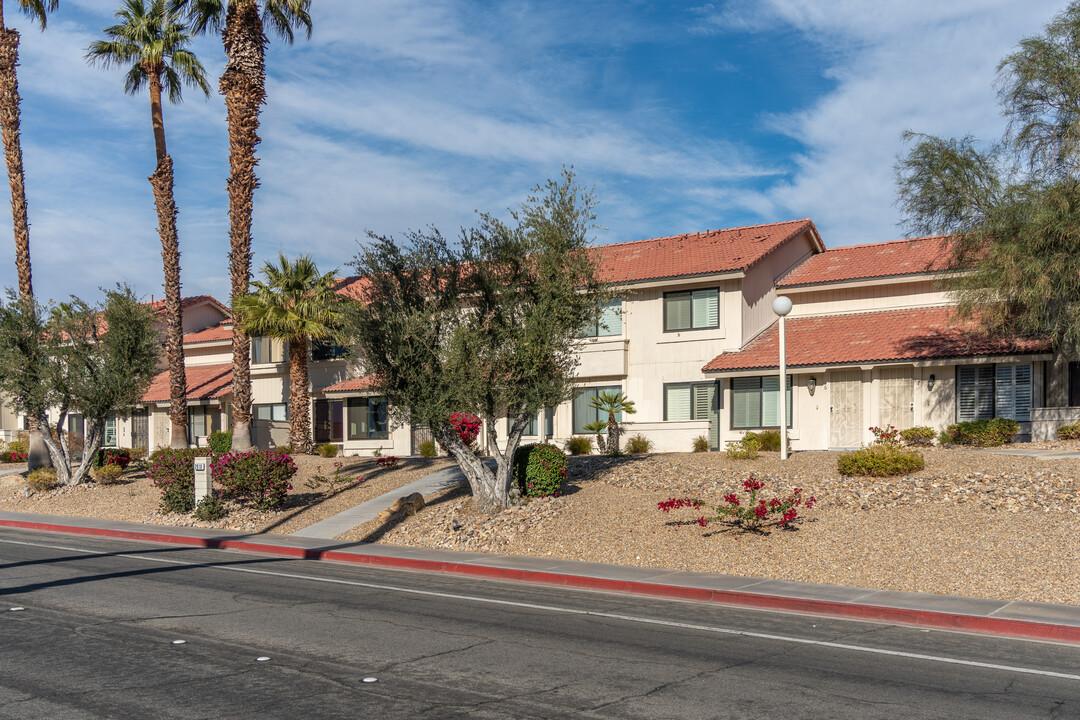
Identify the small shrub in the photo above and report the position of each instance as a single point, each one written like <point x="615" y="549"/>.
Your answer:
<point x="328" y="450"/>
<point x="138" y="453"/>
<point x="944" y="439"/>
<point x="755" y="515"/>
<point x="767" y="440"/>
<point x="173" y="472"/>
<point x="112" y="456"/>
<point x="1069" y="432"/>
<point x="579" y="445"/>
<point x="12" y="456"/>
<point x="540" y="470"/>
<point x="745" y="449"/>
<point x="21" y="443"/>
<point x="42" y="480"/>
<point x="639" y="444"/>
<point x="210" y="508"/>
<point x="887" y="436"/>
<point x="220" y="442"/>
<point x="387" y="462"/>
<point x="176" y="498"/>
<point x="260" y="477"/>
<point x="702" y="444"/>
<point x="921" y="435"/>
<point x="108" y="474"/>
<point x="984" y="433"/>
<point x="427" y="449"/>
<point x="880" y="461"/>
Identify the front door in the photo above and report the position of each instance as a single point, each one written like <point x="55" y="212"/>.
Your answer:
<point x="845" y="408"/>
<point x="897" y="398"/>
<point x="140" y="428"/>
<point x="329" y="421"/>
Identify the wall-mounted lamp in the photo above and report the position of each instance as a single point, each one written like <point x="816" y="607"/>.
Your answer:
<point x="811" y="384"/>
<point x="930" y="382"/>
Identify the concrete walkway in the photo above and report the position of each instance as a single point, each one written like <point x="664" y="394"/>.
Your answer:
<point x="335" y="525"/>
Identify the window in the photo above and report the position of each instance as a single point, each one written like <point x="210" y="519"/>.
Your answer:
<point x="275" y="411"/>
<point x="108" y="439"/>
<point x="329" y="421"/>
<point x="989" y="391"/>
<point x="689" y="401"/>
<point x="756" y="402"/>
<point x="584" y="414"/>
<point x="200" y="421"/>
<point x="530" y="427"/>
<point x="266" y="350"/>
<point x="609" y="323"/>
<point x="367" y="418"/>
<point x="322" y="351"/>
<point x="549" y="422"/>
<point x="692" y="310"/>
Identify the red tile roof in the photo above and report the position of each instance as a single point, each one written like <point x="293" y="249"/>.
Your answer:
<point x="368" y="382"/>
<point x="214" y="333"/>
<point x="204" y="382"/>
<point x="158" y="306"/>
<point x="877" y="260"/>
<point x="884" y="336"/>
<point x="713" y="251"/>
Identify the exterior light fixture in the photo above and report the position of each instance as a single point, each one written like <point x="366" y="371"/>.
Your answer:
<point x="782" y="306"/>
<point x="811" y="385"/>
<point x="930" y="382"/>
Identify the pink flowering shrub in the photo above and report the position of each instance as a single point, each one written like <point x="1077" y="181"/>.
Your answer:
<point x="466" y="426"/>
<point x="540" y="470"/>
<point x="173" y="472"/>
<point x="259" y="476"/>
<point x="387" y="462"/>
<point x="751" y="513"/>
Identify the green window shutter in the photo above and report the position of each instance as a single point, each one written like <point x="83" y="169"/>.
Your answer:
<point x="677" y="313"/>
<point x="770" y="401"/>
<point x="1022" y="400"/>
<point x="746" y="402"/>
<point x="706" y="308"/>
<point x="611" y="319"/>
<point x="678" y="402"/>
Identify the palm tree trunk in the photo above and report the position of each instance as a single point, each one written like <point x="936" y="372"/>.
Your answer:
<point x="9" y="129"/>
<point x="299" y="412"/>
<point x="243" y="85"/>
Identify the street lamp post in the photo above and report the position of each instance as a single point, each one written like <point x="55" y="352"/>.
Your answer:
<point x="782" y="306"/>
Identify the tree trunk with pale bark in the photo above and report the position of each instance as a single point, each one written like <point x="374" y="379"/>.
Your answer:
<point x="299" y="413"/>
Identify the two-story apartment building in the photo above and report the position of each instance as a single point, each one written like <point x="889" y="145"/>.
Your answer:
<point x="693" y="341"/>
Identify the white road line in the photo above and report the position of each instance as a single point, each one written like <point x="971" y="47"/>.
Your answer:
<point x="572" y="611"/>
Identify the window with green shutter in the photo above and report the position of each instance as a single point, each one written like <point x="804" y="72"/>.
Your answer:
<point x="692" y="310"/>
<point x="755" y="402"/>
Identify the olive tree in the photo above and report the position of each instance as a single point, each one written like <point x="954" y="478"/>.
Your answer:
<point x="486" y="326"/>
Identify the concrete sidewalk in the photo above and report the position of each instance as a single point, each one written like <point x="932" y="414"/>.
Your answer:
<point x="1016" y="619"/>
<point x="344" y="521"/>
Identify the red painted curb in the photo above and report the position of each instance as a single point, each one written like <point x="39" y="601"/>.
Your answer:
<point x="736" y="598"/>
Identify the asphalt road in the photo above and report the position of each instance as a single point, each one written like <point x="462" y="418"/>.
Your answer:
<point x="96" y="639"/>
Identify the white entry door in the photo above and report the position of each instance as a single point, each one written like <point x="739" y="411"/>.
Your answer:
<point x="897" y="397"/>
<point x="845" y="408"/>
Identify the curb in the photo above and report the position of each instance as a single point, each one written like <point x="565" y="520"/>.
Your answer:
<point x="941" y="620"/>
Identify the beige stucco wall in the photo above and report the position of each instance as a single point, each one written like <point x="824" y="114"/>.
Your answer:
<point x="759" y="285"/>
<point x="208" y="354"/>
<point x="880" y="296"/>
<point x="201" y="316"/>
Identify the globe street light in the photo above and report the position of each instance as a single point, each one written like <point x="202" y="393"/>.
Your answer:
<point x="782" y="306"/>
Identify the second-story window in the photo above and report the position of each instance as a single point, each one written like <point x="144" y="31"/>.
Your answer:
<point x="322" y="350"/>
<point x="266" y="350"/>
<point x="608" y="324"/>
<point x="692" y="310"/>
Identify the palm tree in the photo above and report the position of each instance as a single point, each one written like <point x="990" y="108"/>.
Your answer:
<point x="294" y="304"/>
<point x="612" y="403"/>
<point x="154" y="41"/>
<point x="36" y="10"/>
<point x="243" y="83"/>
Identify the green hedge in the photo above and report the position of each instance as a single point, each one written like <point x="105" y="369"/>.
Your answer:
<point x="983" y="433"/>
<point x="880" y="461"/>
<point x="539" y="470"/>
<point x="921" y="435"/>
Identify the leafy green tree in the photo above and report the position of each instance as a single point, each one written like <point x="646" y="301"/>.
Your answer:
<point x="1012" y="208"/>
<point x="76" y="358"/>
<point x="243" y="83"/>
<point x="152" y="41"/>
<point x="294" y="304"/>
<point x="612" y="404"/>
<point x="488" y="326"/>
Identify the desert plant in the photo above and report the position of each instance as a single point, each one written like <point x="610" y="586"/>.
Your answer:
<point x="173" y="472"/>
<point x="42" y="480"/>
<point x="220" y="442"/>
<point x="767" y="440"/>
<point x="20" y="444"/>
<point x="888" y="436"/>
<point x="983" y="433"/>
<point x="260" y="477"/>
<point x="599" y="427"/>
<point x="579" y="446"/>
<point x="880" y="461"/>
<point x="755" y="515"/>
<point x="539" y="470"/>
<point x="387" y="463"/>
<point x="1069" y="432"/>
<point x="427" y="449"/>
<point x="112" y="456"/>
<point x="612" y="404"/>
<point x="702" y="444"/>
<point x="920" y="435"/>
<point x="328" y="450"/>
<point x="138" y="453"/>
<point x="176" y="498"/>
<point x="639" y="444"/>
<point x="210" y="508"/>
<point x="12" y="456"/>
<point x="745" y="449"/>
<point x="108" y="474"/>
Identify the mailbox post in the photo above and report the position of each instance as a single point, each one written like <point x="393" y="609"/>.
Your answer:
<point x="202" y="478"/>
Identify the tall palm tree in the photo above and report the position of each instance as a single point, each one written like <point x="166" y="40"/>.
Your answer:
<point x="153" y="40"/>
<point x="36" y="10"/>
<point x="294" y="304"/>
<point x="243" y="83"/>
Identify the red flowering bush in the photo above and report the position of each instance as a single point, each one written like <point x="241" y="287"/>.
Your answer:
<point x="386" y="462"/>
<point x="113" y="456"/>
<point x="259" y="476"/>
<point x="888" y="436"/>
<point x="540" y="470"/>
<point x="466" y="426"/>
<point x="12" y="456"/>
<point x="752" y="513"/>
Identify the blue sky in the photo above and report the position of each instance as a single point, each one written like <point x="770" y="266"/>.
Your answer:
<point x="400" y="114"/>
